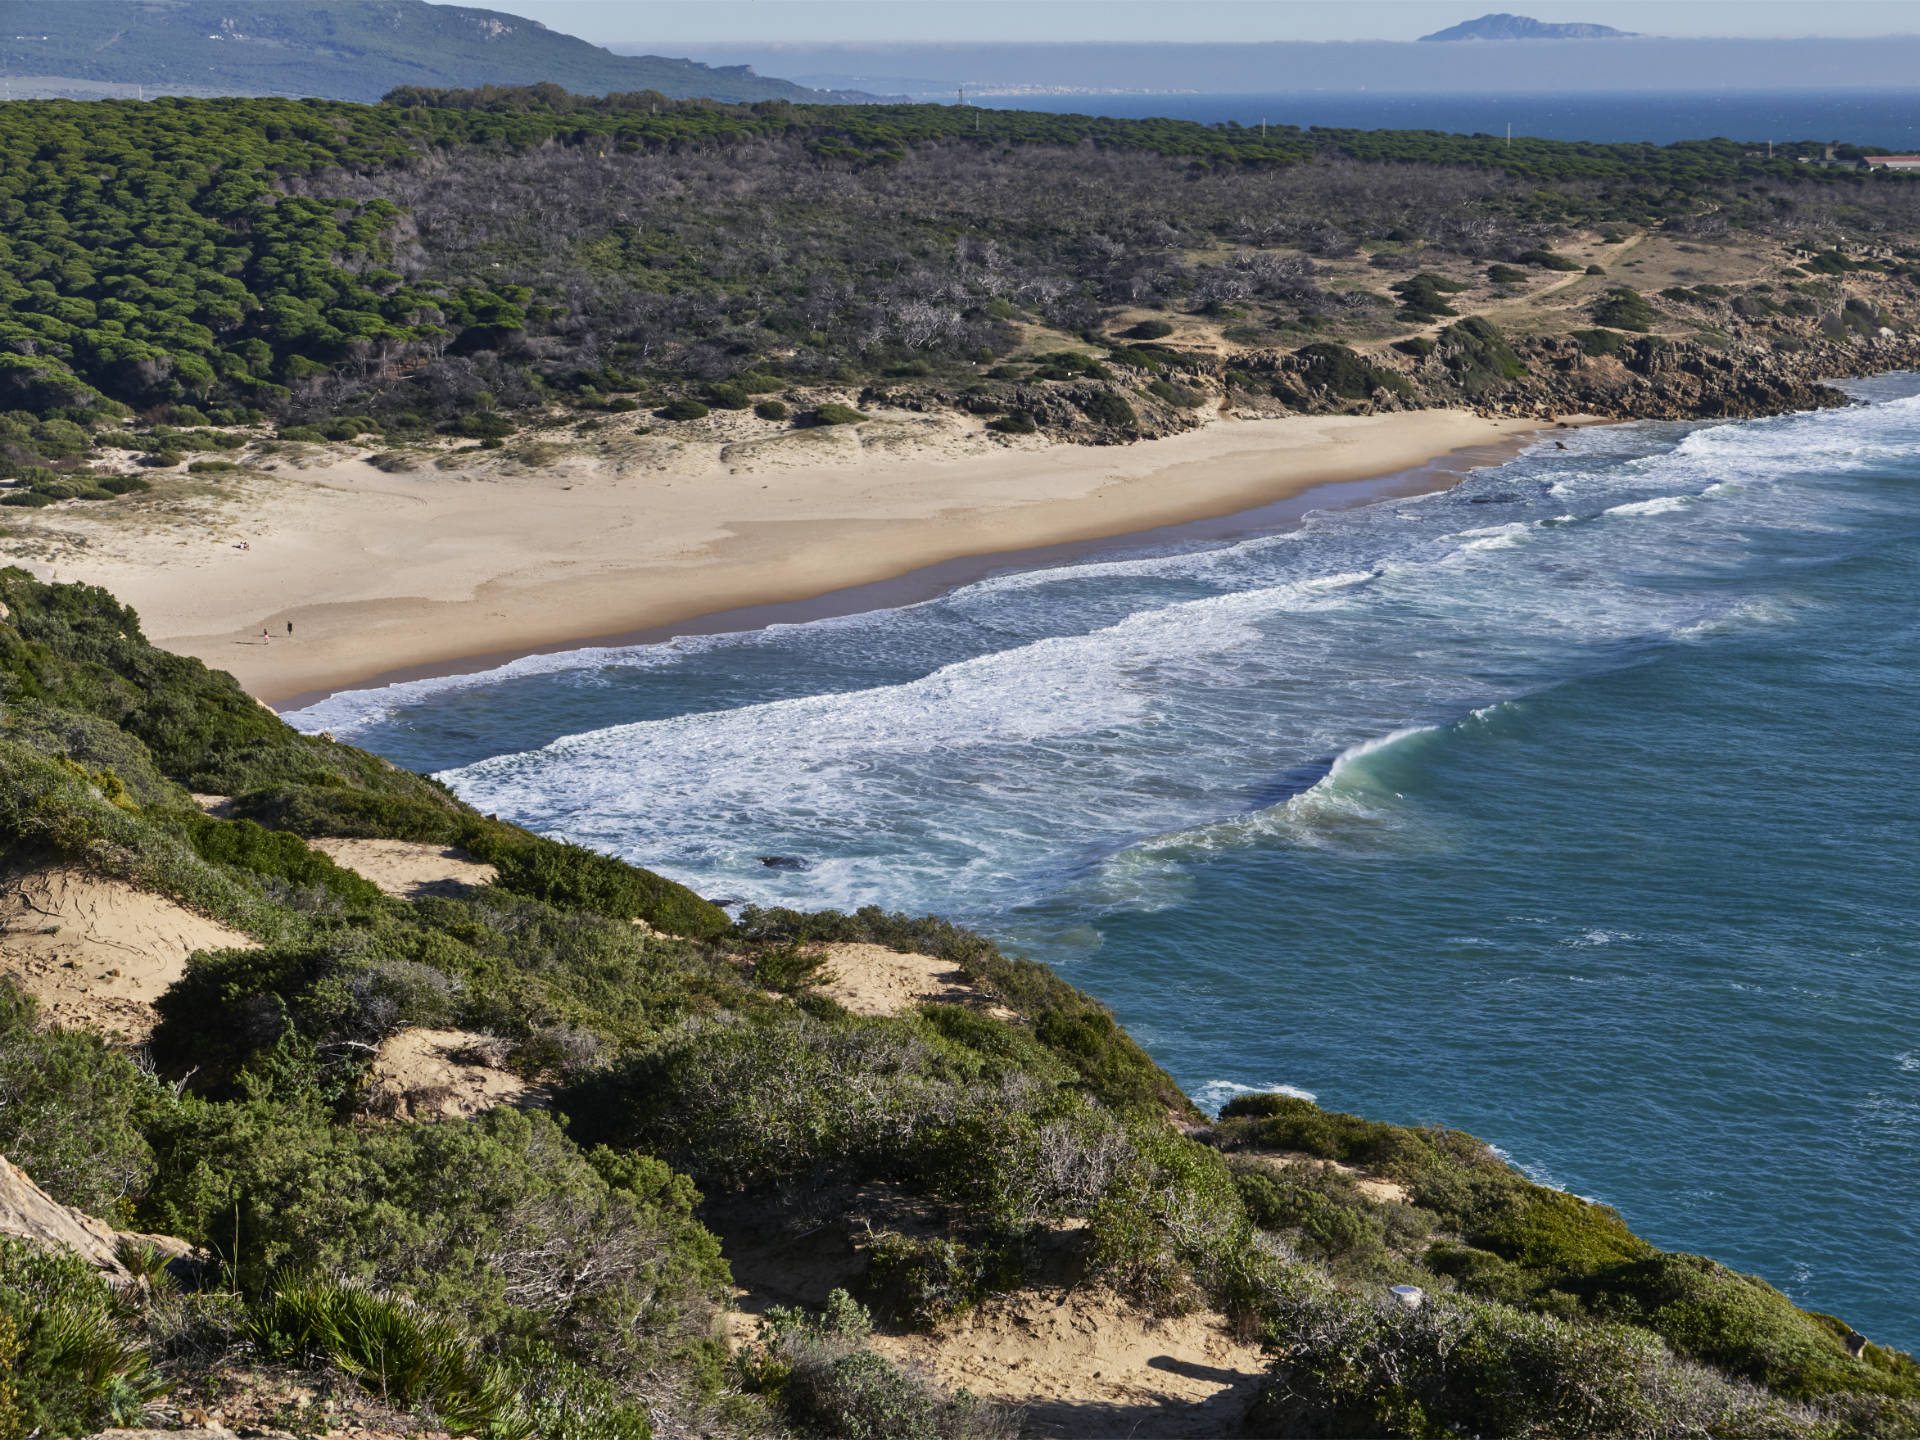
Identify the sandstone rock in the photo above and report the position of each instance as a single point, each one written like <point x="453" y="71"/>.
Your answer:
<point x="28" y="1213"/>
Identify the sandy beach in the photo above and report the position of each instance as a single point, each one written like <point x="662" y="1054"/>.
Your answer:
<point x="481" y="556"/>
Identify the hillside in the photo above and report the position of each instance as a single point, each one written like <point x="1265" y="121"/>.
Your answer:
<point x="336" y="50"/>
<point x="449" y="260"/>
<point x="467" y="1128"/>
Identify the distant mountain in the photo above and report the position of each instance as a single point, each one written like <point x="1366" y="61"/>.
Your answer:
<point x="1523" y="27"/>
<point x="339" y="50"/>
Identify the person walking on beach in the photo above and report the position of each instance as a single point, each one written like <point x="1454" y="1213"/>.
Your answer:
<point x="265" y="639"/>
<point x="289" y="629"/>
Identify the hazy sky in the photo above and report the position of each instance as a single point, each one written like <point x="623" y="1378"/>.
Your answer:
<point x="665" y="24"/>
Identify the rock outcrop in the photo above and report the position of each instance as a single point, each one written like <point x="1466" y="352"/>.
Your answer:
<point x="28" y="1213"/>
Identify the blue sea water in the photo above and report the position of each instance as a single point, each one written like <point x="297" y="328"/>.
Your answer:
<point x="1887" y="118"/>
<point x="1574" y="806"/>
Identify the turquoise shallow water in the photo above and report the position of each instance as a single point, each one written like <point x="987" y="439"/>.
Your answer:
<point x="1573" y="806"/>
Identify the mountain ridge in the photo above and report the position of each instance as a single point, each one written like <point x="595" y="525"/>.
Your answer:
<point x="344" y="50"/>
<point x="1499" y="25"/>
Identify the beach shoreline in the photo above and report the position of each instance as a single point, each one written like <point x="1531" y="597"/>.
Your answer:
<point x="389" y="577"/>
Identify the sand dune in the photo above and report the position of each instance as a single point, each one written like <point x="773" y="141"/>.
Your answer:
<point x="873" y="980"/>
<point x="96" y="953"/>
<point x="408" y="871"/>
<point x="443" y="1075"/>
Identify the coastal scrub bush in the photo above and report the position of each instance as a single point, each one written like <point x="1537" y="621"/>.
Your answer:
<point x="1284" y="1122"/>
<point x="1017" y="423"/>
<point x="834" y="413"/>
<point x="831" y="1386"/>
<point x="391" y="1347"/>
<point x="1149" y="330"/>
<point x="1104" y="407"/>
<point x="1505" y="275"/>
<point x="1623" y="308"/>
<point x="1418" y="346"/>
<point x="1143" y="357"/>
<point x="1422" y="297"/>
<point x="1334" y="368"/>
<point x="71" y="1110"/>
<point x="563" y="983"/>
<point x="1600" y="342"/>
<point x="1171" y="1226"/>
<point x="791" y="1099"/>
<point x="922" y="1282"/>
<point x="1176" y="395"/>
<point x="1742" y="1325"/>
<point x="1074" y="1026"/>
<point x="724" y="396"/>
<point x="1345" y="374"/>
<point x="93" y="744"/>
<point x="1478" y="356"/>
<point x="682" y="409"/>
<point x="482" y="425"/>
<point x="1548" y="260"/>
<point x="499" y="1219"/>
<point x="276" y="854"/>
<point x="574" y="877"/>
<point x="77" y="1363"/>
<point x="430" y="818"/>
<point x="1325" y="1209"/>
<point x="1349" y="1365"/>
<point x="771" y="410"/>
<point x="1559" y="1236"/>
<point x="54" y="806"/>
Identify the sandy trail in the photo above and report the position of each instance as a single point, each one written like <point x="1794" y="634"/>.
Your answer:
<point x="1082" y="1363"/>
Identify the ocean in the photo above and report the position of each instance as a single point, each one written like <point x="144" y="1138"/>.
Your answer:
<point x="1573" y="806"/>
<point x="1887" y="118"/>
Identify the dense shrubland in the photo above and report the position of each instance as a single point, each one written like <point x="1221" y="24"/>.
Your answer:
<point x="445" y="262"/>
<point x="560" y="1272"/>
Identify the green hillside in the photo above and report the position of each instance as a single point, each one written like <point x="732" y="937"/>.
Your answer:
<point x="337" y="50"/>
<point x="561" y="1270"/>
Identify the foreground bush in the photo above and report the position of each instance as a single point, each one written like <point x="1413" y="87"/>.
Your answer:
<point x="1349" y="1366"/>
<point x="500" y="1220"/>
<point x="395" y="1349"/>
<point x="831" y="1386"/>
<point x="71" y="1110"/>
<point x="70" y="1362"/>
